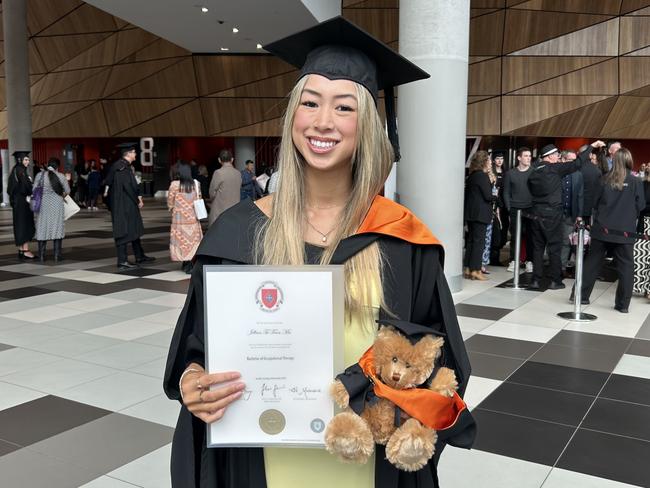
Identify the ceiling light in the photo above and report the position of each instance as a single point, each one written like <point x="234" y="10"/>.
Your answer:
<point x="235" y="30"/>
<point x="204" y="10"/>
<point x="225" y="49"/>
<point x="259" y="46"/>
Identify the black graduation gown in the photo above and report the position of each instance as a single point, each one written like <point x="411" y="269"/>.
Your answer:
<point x="415" y="290"/>
<point x="19" y="188"/>
<point x="123" y="200"/>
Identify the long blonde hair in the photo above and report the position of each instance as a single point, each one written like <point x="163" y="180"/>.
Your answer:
<point x="279" y="240"/>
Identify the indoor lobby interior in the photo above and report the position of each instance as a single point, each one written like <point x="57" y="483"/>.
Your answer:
<point x="83" y="345"/>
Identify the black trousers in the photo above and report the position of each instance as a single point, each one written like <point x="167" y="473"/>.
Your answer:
<point x="122" y="254"/>
<point x="547" y="233"/>
<point x="526" y="239"/>
<point x="624" y="259"/>
<point x="475" y="245"/>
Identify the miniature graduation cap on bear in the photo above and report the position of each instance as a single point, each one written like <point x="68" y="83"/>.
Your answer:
<point x="339" y="50"/>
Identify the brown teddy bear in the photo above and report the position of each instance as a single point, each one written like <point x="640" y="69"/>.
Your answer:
<point x="390" y="381"/>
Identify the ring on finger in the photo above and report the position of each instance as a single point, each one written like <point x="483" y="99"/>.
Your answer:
<point x="201" y="395"/>
<point x="199" y="386"/>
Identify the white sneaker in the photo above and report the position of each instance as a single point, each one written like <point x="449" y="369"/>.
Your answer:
<point x="511" y="267"/>
<point x="529" y="267"/>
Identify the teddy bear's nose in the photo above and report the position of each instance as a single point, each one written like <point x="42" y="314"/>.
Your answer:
<point x="396" y="376"/>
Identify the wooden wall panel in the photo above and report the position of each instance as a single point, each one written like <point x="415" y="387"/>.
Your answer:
<point x="606" y="7"/>
<point x="43" y="13"/>
<point x="101" y="54"/>
<point x="522" y="110"/>
<point x="89" y="89"/>
<point x="123" y="75"/>
<point x="131" y="40"/>
<point x="486" y="34"/>
<point x="485" y="78"/>
<point x="82" y="20"/>
<point x="185" y="120"/>
<point x="125" y="114"/>
<point x="268" y="128"/>
<point x="627" y="112"/>
<point x="174" y="81"/>
<point x="635" y="33"/>
<point x="45" y="115"/>
<point x="598" y="40"/>
<point x="274" y="87"/>
<point x="54" y="83"/>
<point x="634" y="73"/>
<point x="57" y="50"/>
<point x="630" y="5"/>
<point x="599" y="79"/>
<point x="88" y="122"/>
<point x="218" y="73"/>
<point x="583" y="122"/>
<point x="527" y="27"/>
<point x="484" y="117"/>
<point x="522" y="71"/>
<point x="383" y="24"/>
<point x="227" y="114"/>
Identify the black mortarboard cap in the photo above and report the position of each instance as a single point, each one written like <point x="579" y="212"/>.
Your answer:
<point x="19" y="155"/>
<point x="414" y="332"/>
<point x="339" y="50"/>
<point x="126" y="147"/>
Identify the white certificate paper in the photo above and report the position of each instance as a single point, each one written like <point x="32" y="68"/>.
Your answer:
<point x="282" y="329"/>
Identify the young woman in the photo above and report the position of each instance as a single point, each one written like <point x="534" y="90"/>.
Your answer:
<point x="185" y="234"/>
<point x="617" y="207"/>
<point x="19" y="188"/>
<point x="478" y="214"/>
<point x="94" y="185"/>
<point x="50" y="225"/>
<point x="334" y="157"/>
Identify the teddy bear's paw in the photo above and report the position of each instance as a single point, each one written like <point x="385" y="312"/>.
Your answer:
<point x="411" y="446"/>
<point x="348" y="437"/>
<point x="445" y="382"/>
<point x="339" y="394"/>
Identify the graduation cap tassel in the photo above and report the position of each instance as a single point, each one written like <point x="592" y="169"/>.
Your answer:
<point x="391" y="120"/>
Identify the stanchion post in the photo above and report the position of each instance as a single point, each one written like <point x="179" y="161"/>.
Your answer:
<point x="517" y="236"/>
<point x="578" y="315"/>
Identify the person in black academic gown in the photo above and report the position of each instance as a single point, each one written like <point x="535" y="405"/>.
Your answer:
<point x="19" y="188"/>
<point x="125" y="202"/>
<point x="325" y="211"/>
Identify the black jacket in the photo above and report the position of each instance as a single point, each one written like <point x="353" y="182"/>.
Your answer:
<point x="618" y="210"/>
<point x="415" y="290"/>
<point x="591" y="176"/>
<point x="478" y="198"/>
<point x="545" y="182"/>
<point x="19" y="187"/>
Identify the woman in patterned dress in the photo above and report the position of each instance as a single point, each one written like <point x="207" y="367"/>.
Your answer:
<point x="186" y="234"/>
<point x="50" y="225"/>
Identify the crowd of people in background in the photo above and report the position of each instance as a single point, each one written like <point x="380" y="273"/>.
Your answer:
<point x="594" y="186"/>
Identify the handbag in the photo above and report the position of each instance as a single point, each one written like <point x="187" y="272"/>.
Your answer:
<point x="37" y="198"/>
<point x="199" y="205"/>
<point x="69" y="207"/>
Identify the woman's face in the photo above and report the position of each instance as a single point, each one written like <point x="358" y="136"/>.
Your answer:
<point x="25" y="161"/>
<point x="325" y="123"/>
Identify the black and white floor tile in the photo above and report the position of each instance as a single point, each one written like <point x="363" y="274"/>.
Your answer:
<point x="82" y="353"/>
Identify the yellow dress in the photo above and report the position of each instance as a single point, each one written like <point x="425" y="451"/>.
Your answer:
<point x="316" y="468"/>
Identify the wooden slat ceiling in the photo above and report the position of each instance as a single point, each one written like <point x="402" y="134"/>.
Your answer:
<point x="537" y="67"/>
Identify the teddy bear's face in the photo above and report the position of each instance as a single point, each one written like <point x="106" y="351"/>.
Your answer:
<point x="402" y="365"/>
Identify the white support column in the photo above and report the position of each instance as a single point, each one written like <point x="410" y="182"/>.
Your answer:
<point x="19" y="107"/>
<point x="244" y="149"/>
<point x="432" y="121"/>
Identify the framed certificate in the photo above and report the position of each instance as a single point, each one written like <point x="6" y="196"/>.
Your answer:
<point x="282" y="329"/>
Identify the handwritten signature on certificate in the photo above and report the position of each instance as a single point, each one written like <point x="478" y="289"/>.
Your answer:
<point x="270" y="391"/>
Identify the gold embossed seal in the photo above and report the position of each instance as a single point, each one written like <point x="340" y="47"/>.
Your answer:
<point x="272" y="421"/>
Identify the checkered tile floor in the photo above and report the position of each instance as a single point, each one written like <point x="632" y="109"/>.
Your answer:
<point x="82" y="352"/>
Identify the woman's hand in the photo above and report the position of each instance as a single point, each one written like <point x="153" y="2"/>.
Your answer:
<point x="208" y="404"/>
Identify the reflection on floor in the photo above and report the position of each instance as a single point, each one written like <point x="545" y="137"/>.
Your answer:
<point x="82" y="352"/>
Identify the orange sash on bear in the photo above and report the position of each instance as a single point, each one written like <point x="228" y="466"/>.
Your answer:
<point x="432" y="409"/>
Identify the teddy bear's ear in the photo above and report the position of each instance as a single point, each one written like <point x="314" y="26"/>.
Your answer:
<point x="385" y="331"/>
<point x="429" y="347"/>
